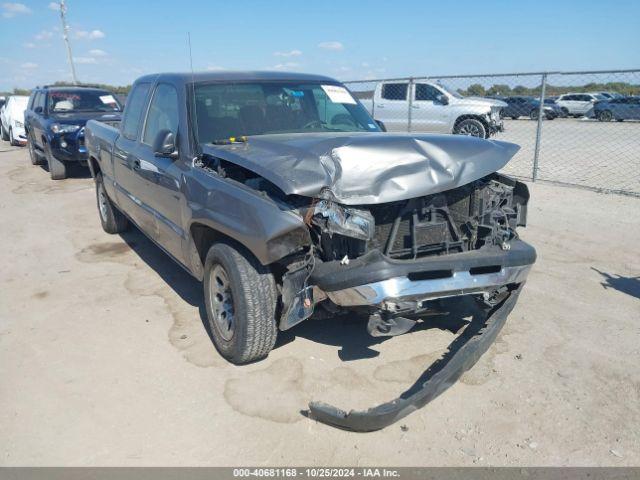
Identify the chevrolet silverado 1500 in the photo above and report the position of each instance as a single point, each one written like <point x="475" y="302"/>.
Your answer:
<point x="421" y="106"/>
<point x="283" y="196"/>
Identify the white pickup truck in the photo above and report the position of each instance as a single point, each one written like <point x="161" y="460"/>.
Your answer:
<point x="430" y="107"/>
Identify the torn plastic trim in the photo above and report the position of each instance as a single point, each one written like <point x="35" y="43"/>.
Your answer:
<point x="463" y="353"/>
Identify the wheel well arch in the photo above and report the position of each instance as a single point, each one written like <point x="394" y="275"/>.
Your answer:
<point x="204" y="236"/>
<point x="94" y="166"/>
<point x="480" y="118"/>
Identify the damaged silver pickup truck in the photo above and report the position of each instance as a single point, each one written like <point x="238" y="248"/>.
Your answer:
<point x="287" y="200"/>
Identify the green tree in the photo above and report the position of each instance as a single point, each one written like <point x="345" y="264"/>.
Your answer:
<point x="476" y="90"/>
<point x="499" y="90"/>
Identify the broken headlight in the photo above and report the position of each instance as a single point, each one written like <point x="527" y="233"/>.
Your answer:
<point x="350" y="222"/>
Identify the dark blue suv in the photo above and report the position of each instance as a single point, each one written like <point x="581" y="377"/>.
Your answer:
<point x="54" y="122"/>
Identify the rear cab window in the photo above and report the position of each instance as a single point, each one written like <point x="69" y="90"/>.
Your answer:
<point x="394" y="91"/>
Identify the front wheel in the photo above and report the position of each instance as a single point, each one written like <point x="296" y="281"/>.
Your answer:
<point x="533" y="115"/>
<point x="471" y="127"/>
<point x="112" y="219"/>
<point x="33" y="155"/>
<point x="240" y="298"/>
<point x="57" y="168"/>
<point x="605" y="116"/>
<point x="3" y="133"/>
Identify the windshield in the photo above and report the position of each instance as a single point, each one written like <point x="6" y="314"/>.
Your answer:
<point x="235" y="110"/>
<point x="68" y="101"/>
<point x="450" y="91"/>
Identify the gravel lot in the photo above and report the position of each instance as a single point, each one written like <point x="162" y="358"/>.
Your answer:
<point x="104" y="359"/>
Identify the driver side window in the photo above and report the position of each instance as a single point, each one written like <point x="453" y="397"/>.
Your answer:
<point x="426" y="92"/>
<point x="163" y="113"/>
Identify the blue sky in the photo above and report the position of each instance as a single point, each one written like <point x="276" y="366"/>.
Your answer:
<point x="115" y="42"/>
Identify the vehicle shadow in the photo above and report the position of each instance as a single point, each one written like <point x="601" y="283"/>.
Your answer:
<point x="347" y="331"/>
<point x="178" y="279"/>
<point x="628" y="285"/>
<point x="74" y="170"/>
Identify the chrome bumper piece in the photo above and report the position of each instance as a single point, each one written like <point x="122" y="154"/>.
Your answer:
<point x="458" y="284"/>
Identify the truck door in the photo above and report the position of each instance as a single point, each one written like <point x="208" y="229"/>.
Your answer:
<point x="429" y="114"/>
<point x="163" y="174"/>
<point x="391" y="106"/>
<point x="129" y="185"/>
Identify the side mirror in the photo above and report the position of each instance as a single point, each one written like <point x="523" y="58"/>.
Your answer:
<point x="382" y="126"/>
<point x="164" y="144"/>
<point x="443" y="99"/>
<point x="38" y="109"/>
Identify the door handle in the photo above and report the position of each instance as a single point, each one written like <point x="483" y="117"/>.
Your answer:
<point x="415" y="106"/>
<point x="380" y="105"/>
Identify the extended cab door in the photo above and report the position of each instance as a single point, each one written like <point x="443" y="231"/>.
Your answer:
<point x="391" y="106"/>
<point x="163" y="174"/>
<point x="429" y="113"/>
<point x="128" y="184"/>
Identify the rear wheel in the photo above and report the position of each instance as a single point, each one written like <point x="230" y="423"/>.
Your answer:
<point x="112" y="219"/>
<point x="240" y="298"/>
<point x="470" y="127"/>
<point x="57" y="168"/>
<point x="605" y="116"/>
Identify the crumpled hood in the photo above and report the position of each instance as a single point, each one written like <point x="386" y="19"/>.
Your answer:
<point x="367" y="168"/>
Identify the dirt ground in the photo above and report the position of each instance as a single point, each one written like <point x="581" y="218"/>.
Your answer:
<point x="104" y="359"/>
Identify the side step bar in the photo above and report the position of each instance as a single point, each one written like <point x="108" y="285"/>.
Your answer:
<point x="463" y="353"/>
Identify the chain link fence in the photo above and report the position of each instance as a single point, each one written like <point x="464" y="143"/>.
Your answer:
<point x="574" y="128"/>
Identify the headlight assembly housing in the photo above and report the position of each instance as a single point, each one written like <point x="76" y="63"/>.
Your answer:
<point x="349" y="222"/>
<point x="62" y="128"/>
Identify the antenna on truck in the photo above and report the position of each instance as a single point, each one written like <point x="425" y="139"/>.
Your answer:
<point x="194" y="115"/>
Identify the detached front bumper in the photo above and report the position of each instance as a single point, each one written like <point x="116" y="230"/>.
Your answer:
<point x="462" y="354"/>
<point x="377" y="281"/>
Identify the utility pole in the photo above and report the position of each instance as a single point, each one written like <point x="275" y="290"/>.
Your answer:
<point x="65" y="35"/>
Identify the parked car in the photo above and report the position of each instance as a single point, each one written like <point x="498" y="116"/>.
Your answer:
<point x="560" y="112"/>
<point x="619" y="109"/>
<point x="577" y="104"/>
<point x="283" y="196"/>
<point x="55" y="121"/>
<point x="434" y="108"/>
<point x="12" y="120"/>
<point x="526" y="107"/>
